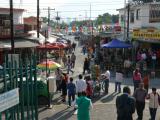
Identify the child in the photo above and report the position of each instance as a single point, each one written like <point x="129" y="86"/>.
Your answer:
<point x="71" y="91"/>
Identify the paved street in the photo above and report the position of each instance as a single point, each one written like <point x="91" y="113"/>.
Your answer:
<point x="103" y="106"/>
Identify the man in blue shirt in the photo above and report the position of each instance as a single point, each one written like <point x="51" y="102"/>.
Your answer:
<point x="71" y="91"/>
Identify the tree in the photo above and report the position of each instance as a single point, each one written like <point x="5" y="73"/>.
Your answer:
<point x="107" y="18"/>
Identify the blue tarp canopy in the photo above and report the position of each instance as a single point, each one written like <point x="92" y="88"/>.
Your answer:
<point x="115" y="43"/>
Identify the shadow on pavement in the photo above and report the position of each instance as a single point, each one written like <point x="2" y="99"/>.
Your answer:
<point x="109" y="97"/>
<point x="42" y="109"/>
<point x="61" y="115"/>
<point x="97" y="97"/>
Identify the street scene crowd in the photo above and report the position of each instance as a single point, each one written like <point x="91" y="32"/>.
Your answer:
<point x="94" y="80"/>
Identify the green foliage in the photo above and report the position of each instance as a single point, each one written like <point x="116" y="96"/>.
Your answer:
<point x="107" y="18"/>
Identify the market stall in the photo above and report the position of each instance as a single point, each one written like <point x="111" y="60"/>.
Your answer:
<point x="114" y="53"/>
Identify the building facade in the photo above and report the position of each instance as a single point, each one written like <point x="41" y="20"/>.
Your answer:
<point x="140" y="16"/>
<point x="5" y="22"/>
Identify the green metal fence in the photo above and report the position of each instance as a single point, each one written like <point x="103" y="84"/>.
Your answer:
<point x="21" y="75"/>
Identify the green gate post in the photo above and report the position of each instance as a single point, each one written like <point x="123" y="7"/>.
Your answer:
<point x="21" y="92"/>
<point x="10" y="88"/>
<point x="27" y="87"/>
<point x="35" y="87"/>
<point x="16" y="85"/>
<point x="31" y="80"/>
<point x="5" y="85"/>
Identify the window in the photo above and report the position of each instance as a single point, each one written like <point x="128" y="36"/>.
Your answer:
<point x="154" y="13"/>
<point x="138" y="14"/>
<point x="4" y="25"/>
<point x="131" y="17"/>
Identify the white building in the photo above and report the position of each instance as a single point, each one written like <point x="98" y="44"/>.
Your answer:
<point x="142" y="15"/>
<point x="5" y="21"/>
<point x="17" y="14"/>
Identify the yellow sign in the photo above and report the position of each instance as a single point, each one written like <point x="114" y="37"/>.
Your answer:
<point x="145" y="34"/>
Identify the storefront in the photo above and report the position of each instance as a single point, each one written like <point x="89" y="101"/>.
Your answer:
<point x="147" y="41"/>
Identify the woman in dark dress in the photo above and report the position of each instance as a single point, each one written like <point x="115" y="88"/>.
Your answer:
<point x="64" y="86"/>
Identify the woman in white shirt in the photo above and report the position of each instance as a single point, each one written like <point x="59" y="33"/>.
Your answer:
<point x="118" y="80"/>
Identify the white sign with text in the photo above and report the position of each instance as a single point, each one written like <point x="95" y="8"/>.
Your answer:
<point x="9" y="99"/>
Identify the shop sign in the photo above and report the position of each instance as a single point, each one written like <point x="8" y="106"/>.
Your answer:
<point x="146" y="34"/>
<point x="9" y="99"/>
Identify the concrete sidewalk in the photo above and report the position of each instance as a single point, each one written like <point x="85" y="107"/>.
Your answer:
<point x="100" y="111"/>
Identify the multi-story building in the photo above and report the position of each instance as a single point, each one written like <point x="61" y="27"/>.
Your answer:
<point x="141" y="15"/>
<point x="30" y="23"/>
<point x="144" y="26"/>
<point x="5" y="22"/>
<point x="144" y="20"/>
<point x="21" y="43"/>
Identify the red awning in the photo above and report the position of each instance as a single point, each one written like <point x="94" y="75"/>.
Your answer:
<point x="48" y="46"/>
<point x="59" y="44"/>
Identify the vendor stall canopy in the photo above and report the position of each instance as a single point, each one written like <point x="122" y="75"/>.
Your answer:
<point x="115" y="43"/>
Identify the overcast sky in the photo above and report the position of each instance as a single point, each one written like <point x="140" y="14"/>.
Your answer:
<point x="69" y="9"/>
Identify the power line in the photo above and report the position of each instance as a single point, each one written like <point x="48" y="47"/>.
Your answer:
<point x="76" y="3"/>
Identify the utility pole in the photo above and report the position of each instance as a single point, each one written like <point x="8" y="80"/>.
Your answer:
<point x="11" y="28"/>
<point x="124" y="21"/>
<point x="91" y="23"/>
<point x="85" y="14"/>
<point x="57" y="19"/>
<point x="128" y="10"/>
<point x="49" y="11"/>
<point x="37" y="18"/>
<point x="90" y="10"/>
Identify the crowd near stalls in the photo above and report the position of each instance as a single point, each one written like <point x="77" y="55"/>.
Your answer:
<point x="147" y="56"/>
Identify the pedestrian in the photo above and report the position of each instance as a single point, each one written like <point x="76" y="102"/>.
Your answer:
<point x="84" y="50"/>
<point x="64" y="60"/>
<point x="106" y="78"/>
<point x="154" y="102"/>
<point x="127" y="67"/>
<point x="146" y="81"/>
<point x="86" y="66"/>
<point x="89" y="90"/>
<point x="84" y="104"/>
<point x="118" y="81"/>
<point x="71" y="91"/>
<point x="125" y="105"/>
<point x="136" y="78"/>
<point x="64" y="87"/>
<point x="73" y="46"/>
<point x="73" y="59"/>
<point x="80" y="85"/>
<point x="92" y="62"/>
<point x="154" y="57"/>
<point x="69" y="65"/>
<point x="140" y="96"/>
<point x="58" y="74"/>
